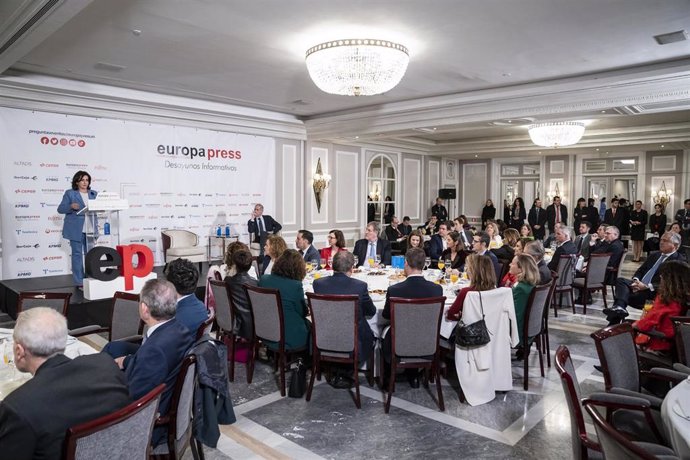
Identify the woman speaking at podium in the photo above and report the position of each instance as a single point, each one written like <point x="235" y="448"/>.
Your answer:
<point x="74" y="229"/>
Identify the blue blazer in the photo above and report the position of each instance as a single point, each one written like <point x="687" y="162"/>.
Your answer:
<point x="341" y="284"/>
<point x="74" y="223"/>
<point x="313" y="255"/>
<point x="435" y="247"/>
<point x="414" y="287"/>
<point x="191" y="312"/>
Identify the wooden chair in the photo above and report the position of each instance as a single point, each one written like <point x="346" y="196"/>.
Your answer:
<point x="612" y="273"/>
<point x="205" y="327"/>
<point x="125" y="322"/>
<point x="179" y="417"/>
<point x="564" y="276"/>
<point x="125" y="433"/>
<point x="415" y="325"/>
<point x="581" y="442"/>
<point x="594" y="279"/>
<point x="269" y="325"/>
<point x="58" y="301"/>
<point x="335" y="333"/>
<point x="225" y="319"/>
<point x="681" y="325"/>
<point x="534" y="327"/>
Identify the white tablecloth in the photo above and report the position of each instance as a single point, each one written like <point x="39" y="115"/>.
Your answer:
<point x="675" y="412"/>
<point x="11" y="378"/>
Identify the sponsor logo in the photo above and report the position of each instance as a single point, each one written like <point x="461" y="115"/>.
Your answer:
<point x="28" y="246"/>
<point x="49" y="165"/>
<point x="194" y="206"/>
<point x="134" y="229"/>
<point x="22" y="163"/>
<point x="151" y="194"/>
<point x="150" y="228"/>
<point x="26" y="232"/>
<point x="48" y="205"/>
<point x="101" y="167"/>
<point x="137" y="217"/>
<point x="54" y="218"/>
<point x="52" y="179"/>
<point x="25" y="190"/>
<point x="53" y="230"/>
<point x="169" y="216"/>
<point x="167" y="205"/>
<point x="76" y="165"/>
<point x="166" y="193"/>
<point x="139" y="240"/>
<point x="52" y="270"/>
<point x="206" y="205"/>
<point x="72" y="142"/>
<point x="26" y="259"/>
<point x="135" y="205"/>
<point x="153" y="205"/>
<point x="26" y="177"/>
<point x="182" y="217"/>
<point x="47" y="258"/>
<point x="195" y="216"/>
<point x="20" y="274"/>
<point x="52" y="191"/>
<point x="55" y="245"/>
<point x="217" y="194"/>
<point x="25" y="217"/>
<point x="208" y="153"/>
<point x="153" y="217"/>
<point x="21" y="205"/>
<point x="195" y="194"/>
<point x="119" y="263"/>
<point x="81" y="142"/>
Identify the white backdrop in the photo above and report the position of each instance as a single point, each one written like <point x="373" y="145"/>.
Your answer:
<point x="173" y="177"/>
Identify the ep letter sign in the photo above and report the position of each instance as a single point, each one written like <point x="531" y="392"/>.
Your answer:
<point x="106" y="264"/>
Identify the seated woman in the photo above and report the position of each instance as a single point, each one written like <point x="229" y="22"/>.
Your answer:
<point x="336" y="242"/>
<point x="288" y="272"/>
<point x="274" y="248"/>
<point x="242" y="263"/>
<point x="416" y="240"/>
<point x="454" y="251"/>
<point x="228" y="268"/>
<point x="495" y="238"/>
<point x="507" y="250"/>
<point x="671" y="300"/>
<point x="526" y="231"/>
<point x="525" y="270"/>
<point x="480" y="271"/>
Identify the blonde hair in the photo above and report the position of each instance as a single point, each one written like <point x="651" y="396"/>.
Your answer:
<point x="278" y="246"/>
<point x="530" y="271"/>
<point x="511" y="237"/>
<point x="481" y="272"/>
<point x="494" y="228"/>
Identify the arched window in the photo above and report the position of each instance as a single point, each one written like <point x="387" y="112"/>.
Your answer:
<point x="380" y="190"/>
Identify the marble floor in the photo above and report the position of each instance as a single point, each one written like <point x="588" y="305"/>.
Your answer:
<point x="517" y="424"/>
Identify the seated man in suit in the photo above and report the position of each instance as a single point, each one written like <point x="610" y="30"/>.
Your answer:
<point x="405" y="227"/>
<point x="535" y="249"/>
<point x="480" y="245"/>
<point x="582" y="240"/>
<point x="341" y="283"/>
<point x="304" y="241"/>
<point x="437" y="243"/>
<point x="160" y="356"/>
<point x="611" y="244"/>
<point x="395" y="235"/>
<point x="261" y="226"/>
<point x="62" y="393"/>
<point x="565" y="246"/>
<point x="645" y="281"/>
<point x="414" y="287"/>
<point x="430" y="226"/>
<point x="371" y="245"/>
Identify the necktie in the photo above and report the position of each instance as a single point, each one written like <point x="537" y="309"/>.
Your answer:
<point x="613" y="211"/>
<point x="262" y="229"/>
<point x="372" y="251"/>
<point x="536" y="215"/>
<point x="558" y="214"/>
<point x="647" y="278"/>
<point x="301" y="252"/>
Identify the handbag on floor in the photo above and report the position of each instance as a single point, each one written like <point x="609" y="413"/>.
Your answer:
<point x="298" y="379"/>
<point x="472" y="335"/>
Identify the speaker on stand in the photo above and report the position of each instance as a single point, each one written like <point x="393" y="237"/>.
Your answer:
<point x="450" y="195"/>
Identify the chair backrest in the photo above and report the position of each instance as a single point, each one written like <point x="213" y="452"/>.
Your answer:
<point x="536" y="308"/>
<point x="415" y="325"/>
<point x="180" y="414"/>
<point x="573" y="396"/>
<point x="267" y="313"/>
<point x="224" y="314"/>
<point x="181" y="238"/>
<point x="681" y="325"/>
<point x="124" y="319"/>
<point x="257" y="266"/>
<point x="618" y="356"/>
<point x="217" y="276"/>
<point x="205" y="327"/>
<point x="612" y="277"/>
<point x="56" y="300"/>
<point x="614" y="445"/>
<point x="334" y="321"/>
<point x="596" y="268"/>
<point x="125" y="433"/>
<point x="566" y="272"/>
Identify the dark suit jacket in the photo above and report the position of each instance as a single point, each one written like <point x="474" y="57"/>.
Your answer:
<point x="414" y="287"/>
<point x="383" y="248"/>
<point x="272" y="226"/>
<point x="517" y="218"/>
<point x="243" y="319"/>
<point x="63" y="393"/>
<point x="312" y="255"/>
<point x="537" y="218"/>
<point x="392" y="234"/>
<point x="191" y="312"/>
<point x="435" y="247"/>
<point x="440" y="212"/>
<point x="616" y="250"/>
<point x="616" y="220"/>
<point x="551" y="216"/>
<point x="565" y="249"/>
<point x="544" y="272"/>
<point x="74" y="223"/>
<point x="580" y="214"/>
<point x="157" y="361"/>
<point x="405" y="229"/>
<point x="593" y="218"/>
<point x="582" y="244"/>
<point x="294" y="308"/>
<point x="341" y="284"/>
<point x="649" y="263"/>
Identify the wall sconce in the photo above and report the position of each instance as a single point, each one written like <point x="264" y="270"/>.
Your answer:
<point x="321" y="181"/>
<point x="662" y="196"/>
<point x="555" y="193"/>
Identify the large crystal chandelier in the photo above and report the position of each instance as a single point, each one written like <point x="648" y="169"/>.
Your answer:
<point x="557" y="133"/>
<point x="357" y="67"/>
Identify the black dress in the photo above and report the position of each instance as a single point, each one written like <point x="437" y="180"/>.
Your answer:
<point x="459" y="260"/>
<point x="579" y="214"/>
<point x="488" y="213"/>
<point x="637" y="232"/>
<point x="657" y="224"/>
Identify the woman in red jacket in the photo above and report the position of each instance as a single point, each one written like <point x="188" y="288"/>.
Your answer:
<point x="671" y="300"/>
<point x="336" y="243"/>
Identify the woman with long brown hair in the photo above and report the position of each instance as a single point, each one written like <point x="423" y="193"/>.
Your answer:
<point x="525" y="270"/>
<point x="480" y="271"/>
<point x="336" y="243"/>
<point x="274" y="248"/>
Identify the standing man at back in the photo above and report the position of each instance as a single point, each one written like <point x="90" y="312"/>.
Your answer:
<point x="63" y="392"/>
<point x="439" y="210"/>
<point x="261" y="225"/>
<point x="537" y="220"/>
<point x="556" y="213"/>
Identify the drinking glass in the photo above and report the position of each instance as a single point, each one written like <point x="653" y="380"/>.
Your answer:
<point x="441" y="264"/>
<point x="377" y="260"/>
<point x="323" y="263"/>
<point x="310" y="267"/>
<point x="427" y="263"/>
<point x="453" y="278"/>
<point x="448" y="263"/>
<point x="356" y="260"/>
<point x="330" y="262"/>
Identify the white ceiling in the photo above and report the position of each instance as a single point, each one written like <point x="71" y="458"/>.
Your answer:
<point x="251" y="53"/>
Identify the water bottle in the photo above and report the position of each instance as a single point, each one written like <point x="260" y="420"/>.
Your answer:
<point x="218" y="231"/>
<point x="227" y="230"/>
<point x="106" y="227"/>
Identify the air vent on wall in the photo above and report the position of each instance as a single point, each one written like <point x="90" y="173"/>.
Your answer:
<point x="28" y="24"/>
<point x="671" y="37"/>
<point x="110" y="67"/>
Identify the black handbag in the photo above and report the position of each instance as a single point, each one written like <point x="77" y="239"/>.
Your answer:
<point x="298" y="379"/>
<point x="472" y="335"/>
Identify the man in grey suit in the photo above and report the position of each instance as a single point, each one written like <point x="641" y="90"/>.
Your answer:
<point x="304" y="241"/>
<point x="582" y="240"/>
<point x="341" y="283"/>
